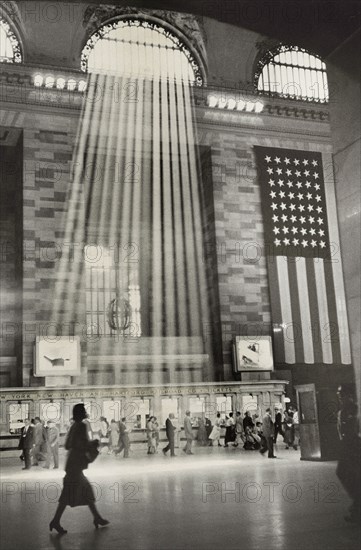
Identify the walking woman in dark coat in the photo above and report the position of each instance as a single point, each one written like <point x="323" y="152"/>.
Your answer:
<point x="77" y="490"/>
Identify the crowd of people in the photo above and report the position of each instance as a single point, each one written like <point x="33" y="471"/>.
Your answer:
<point x="39" y="441"/>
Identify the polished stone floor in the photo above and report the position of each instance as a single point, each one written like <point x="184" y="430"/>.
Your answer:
<point x="217" y="499"/>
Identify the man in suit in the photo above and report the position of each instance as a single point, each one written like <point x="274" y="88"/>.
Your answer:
<point x="26" y="443"/>
<point x="124" y="441"/>
<point x="268" y="434"/>
<point x="169" y="430"/>
<point x="188" y="432"/>
<point x="39" y="441"/>
<point x="52" y="433"/>
<point x="278" y="425"/>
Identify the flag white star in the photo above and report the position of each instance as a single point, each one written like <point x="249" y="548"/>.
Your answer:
<point x="310" y="207"/>
<point x="294" y="230"/>
<point x="320" y="221"/>
<point x="303" y="231"/>
<point x="302" y="219"/>
<point x="313" y="243"/>
<point x="267" y="159"/>
<point x="300" y="196"/>
<point x="311" y="219"/>
<point x="321" y="232"/>
<point x="319" y="209"/>
<point x="273" y="194"/>
<point x="286" y="241"/>
<point x="283" y="206"/>
<point x="306" y="173"/>
<point x="289" y="183"/>
<point x="287" y="160"/>
<point x="305" y="162"/>
<point x="270" y="170"/>
<point x="292" y="207"/>
<point x="296" y="162"/>
<point x="304" y="243"/>
<point x="272" y="183"/>
<point x="298" y="173"/>
<point x="309" y="195"/>
<point x="279" y="171"/>
<point x="276" y="230"/>
<point x="322" y="244"/>
<point x="315" y="175"/>
<point x="280" y="183"/>
<point x="301" y="208"/>
<point x="293" y="219"/>
<point x="284" y="217"/>
<point x="308" y="184"/>
<point x="312" y="231"/>
<point x="299" y="184"/>
<point x="295" y="242"/>
<point x="282" y="194"/>
<point x="314" y="162"/>
<point x="285" y="229"/>
<point x="291" y="195"/>
<point x="317" y="186"/>
<point x="277" y="242"/>
<point x="318" y="198"/>
<point x="274" y="206"/>
<point x="275" y="218"/>
<point x="277" y="160"/>
<point x="289" y="172"/>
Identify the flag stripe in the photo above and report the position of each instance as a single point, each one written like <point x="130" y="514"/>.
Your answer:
<point x="305" y="315"/>
<point x="334" y="333"/>
<point x="296" y="314"/>
<point x="315" y="321"/>
<point x="323" y="311"/>
<point x="279" y="348"/>
<point x="286" y="311"/>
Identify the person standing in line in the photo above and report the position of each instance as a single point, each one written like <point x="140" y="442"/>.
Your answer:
<point x="278" y="424"/>
<point x="202" y="436"/>
<point x="169" y="430"/>
<point x="268" y="434"/>
<point x="26" y="443"/>
<point x="124" y="441"/>
<point x="156" y="433"/>
<point x="289" y="429"/>
<point x="230" y="429"/>
<point x="248" y="422"/>
<point x="39" y="441"/>
<point x="114" y="436"/>
<point x="150" y="436"/>
<point x="53" y="445"/>
<point x="215" y="434"/>
<point x="188" y="432"/>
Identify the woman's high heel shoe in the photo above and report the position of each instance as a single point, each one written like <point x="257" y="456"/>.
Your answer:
<point x="101" y="522"/>
<point x="57" y="527"/>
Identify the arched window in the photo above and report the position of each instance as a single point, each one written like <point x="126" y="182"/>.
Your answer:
<point x="136" y="47"/>
<point x="294" y="73"/>
<point x="10" y="51"/>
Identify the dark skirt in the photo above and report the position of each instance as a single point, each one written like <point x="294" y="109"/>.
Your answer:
<point x="77" y="491"/>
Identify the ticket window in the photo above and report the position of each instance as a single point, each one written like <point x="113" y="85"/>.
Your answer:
<point x="112" y="410"/>
<point x="17" y="412"/>
<point x="197" y="407"/>
<point x="249" y="403"/>
<point x="137" y="413"/>
<point x="224" y="405"/>
<point x="170" y="405"/>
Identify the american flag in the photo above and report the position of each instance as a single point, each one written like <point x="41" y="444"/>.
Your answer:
<point x="304" y="264"/>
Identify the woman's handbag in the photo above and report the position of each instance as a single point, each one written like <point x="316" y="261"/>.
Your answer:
<point x="92" y="452"/>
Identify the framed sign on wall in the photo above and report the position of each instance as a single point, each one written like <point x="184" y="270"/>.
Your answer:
<point x="57" y="357"/>
<point x="252" y="353"/>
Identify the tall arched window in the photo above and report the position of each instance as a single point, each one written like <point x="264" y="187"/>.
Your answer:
<point x="292" y="72"/>
<point x="136" y="47"/>
<point x="10" y="51"/>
